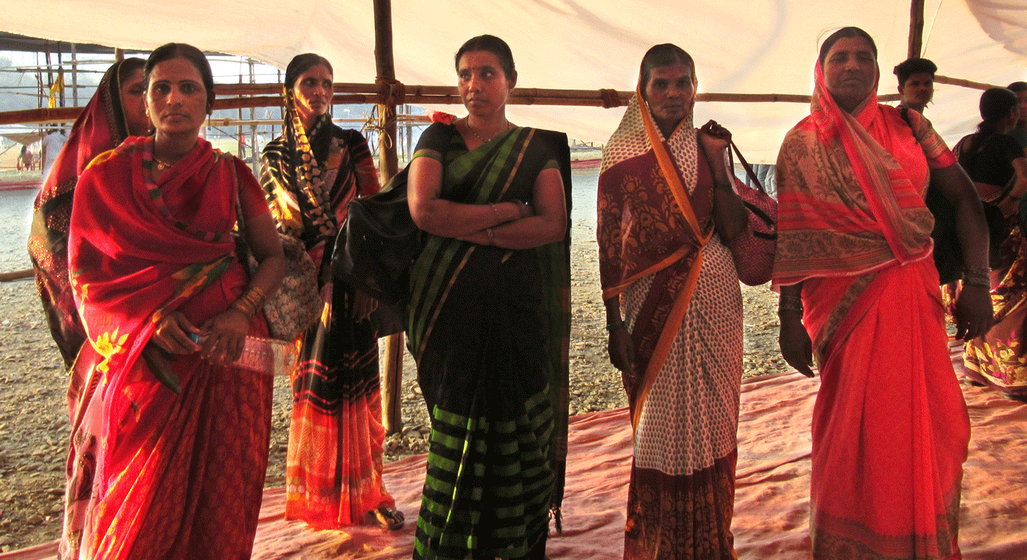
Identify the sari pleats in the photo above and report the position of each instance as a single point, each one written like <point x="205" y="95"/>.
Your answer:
<point x="890" y="428"/>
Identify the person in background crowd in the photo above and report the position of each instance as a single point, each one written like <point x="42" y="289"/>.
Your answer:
<point x="859" y="291"/>
<point x="52" y="144"/>
<point x="310" y="173"/>
<point x="916" y="83"/>
<point x="998" y="167"/>
<point x="180" y="435"/>
<point x="1019" y="132"/>
<point x="115" y="112"/>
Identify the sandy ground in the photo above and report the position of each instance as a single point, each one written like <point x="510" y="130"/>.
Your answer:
<point x="33" y="410"/>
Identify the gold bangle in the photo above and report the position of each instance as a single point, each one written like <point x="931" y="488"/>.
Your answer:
<point x="492" y="238"/>
<point x="496" y="213"/>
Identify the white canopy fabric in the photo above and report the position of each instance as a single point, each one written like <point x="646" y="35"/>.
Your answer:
<point x="754" y="46"/>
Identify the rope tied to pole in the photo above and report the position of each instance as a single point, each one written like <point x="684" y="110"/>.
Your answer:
<point x="610" y="98"/>
<point x="390" y="91"/>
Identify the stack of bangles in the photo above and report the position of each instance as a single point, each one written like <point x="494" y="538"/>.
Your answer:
<point x="250" y="302"/>
<point x="789" y="303"/>
<point x="977" y="276"/>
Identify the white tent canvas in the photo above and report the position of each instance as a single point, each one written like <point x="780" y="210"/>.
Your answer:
<point x="759" y="46"/>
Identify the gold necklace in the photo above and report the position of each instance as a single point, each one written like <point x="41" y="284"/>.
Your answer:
<point x="467" y="123"/>
<point x="162" y="165"/>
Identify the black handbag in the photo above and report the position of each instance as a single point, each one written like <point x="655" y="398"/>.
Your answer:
<point x="375" y="249"/>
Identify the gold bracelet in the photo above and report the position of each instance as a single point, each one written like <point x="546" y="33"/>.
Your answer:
<point x="492" y="238"/>
<point x="249" y="303"/>
<point x="258" y="296"/>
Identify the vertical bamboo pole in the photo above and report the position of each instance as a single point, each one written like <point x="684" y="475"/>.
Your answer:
<point x="74" y="76"/>
<point x="392" y="380"/>
<point x="916" y="29"/>
<point x="254" y="153"/>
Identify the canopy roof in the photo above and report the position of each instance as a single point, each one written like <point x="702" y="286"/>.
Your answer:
<point x="757" y="46"/>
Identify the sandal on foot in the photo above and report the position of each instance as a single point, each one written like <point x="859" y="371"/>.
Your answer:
<point x="387" y="518"/>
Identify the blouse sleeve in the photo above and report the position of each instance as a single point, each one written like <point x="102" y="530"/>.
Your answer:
<point x="363" y="164"/>
<point x="434" y="142"/>
<point x="937" y="153"/>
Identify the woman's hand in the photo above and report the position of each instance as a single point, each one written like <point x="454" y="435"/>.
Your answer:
<point x="172" y="334"/>
<point x="225" y="336"/>
<point x="796" y="346"/>
<point x="363" y="305"/>
<point x="974" y="315"/>
<point x="714" y="138"/>
<point x="622" y="356"/>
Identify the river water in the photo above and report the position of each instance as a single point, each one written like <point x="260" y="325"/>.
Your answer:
<point x="16" y="217"/>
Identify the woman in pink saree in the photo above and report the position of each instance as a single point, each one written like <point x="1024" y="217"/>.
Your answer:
<point x="859" y="292"/>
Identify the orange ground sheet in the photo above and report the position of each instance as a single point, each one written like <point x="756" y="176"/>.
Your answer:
<point x="772" y="500"/>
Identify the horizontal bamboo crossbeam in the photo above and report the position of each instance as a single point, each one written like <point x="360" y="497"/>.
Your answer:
<point x="242" y="96"/>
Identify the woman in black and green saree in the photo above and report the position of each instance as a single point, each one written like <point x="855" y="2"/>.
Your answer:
<point x="489" y="319"/>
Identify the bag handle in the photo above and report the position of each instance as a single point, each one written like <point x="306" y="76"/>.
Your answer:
<point x="748" y="168"/>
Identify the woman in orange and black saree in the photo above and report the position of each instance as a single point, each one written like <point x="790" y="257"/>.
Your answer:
<point x="667" y="210"/>
<point x="859" y="292"/>
<point x="489" y="319"/>
<point x="180" y="436"/>
<point x="114" y="113"/>
<point x="310" y="174"/>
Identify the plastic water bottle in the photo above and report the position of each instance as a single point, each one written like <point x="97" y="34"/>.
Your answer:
<point x="263" y="355"/>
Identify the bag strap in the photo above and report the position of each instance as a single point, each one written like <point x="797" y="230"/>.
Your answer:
<point x="748" y="168"/>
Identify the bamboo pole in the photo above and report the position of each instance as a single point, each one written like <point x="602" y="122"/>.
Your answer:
<point x="441" y="95"/>
<point x="392" y="381"/>
<point x="916" y="28"/>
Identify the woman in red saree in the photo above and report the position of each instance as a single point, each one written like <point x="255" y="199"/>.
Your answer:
<point x="310" y="173"/>
<point x="114" y="113"/>
<point x="181" y="436"/>
<point x="666" y="213"/>
<point x="854" y="267"/>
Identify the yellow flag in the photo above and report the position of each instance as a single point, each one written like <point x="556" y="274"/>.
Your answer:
<point x="58" y="86"/>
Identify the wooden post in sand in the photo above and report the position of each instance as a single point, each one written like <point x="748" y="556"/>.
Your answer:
<point x="392" y="379"/>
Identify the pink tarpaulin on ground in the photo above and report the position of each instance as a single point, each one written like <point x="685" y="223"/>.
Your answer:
<point x="772" y="499"/>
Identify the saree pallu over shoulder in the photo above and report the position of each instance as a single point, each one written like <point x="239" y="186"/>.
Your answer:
<point x="639" y="236"/>
<point x="490" y="331"/>
<point x="122" y="275"/>
<point x="854" y="184"/>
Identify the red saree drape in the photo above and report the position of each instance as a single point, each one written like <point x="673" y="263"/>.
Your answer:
<point x="890" y="428"/>
<point x="175" y="476"/>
